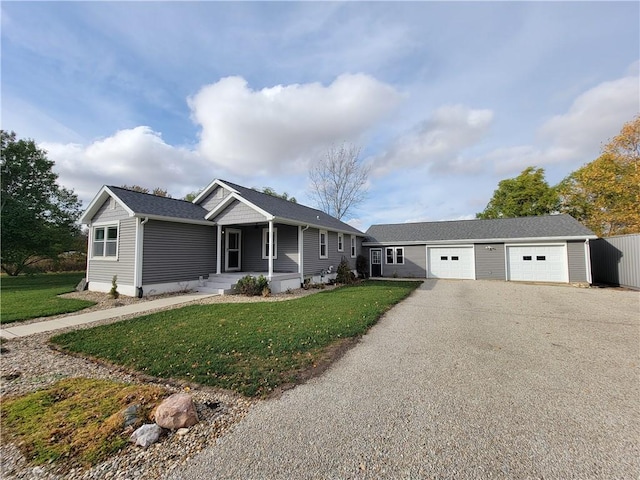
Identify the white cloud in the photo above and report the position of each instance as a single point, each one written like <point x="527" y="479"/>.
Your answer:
<point x="259" y="131"/>
<point x="438" y="142"/>
<point x="134" y="156"/>
<point x="577" y="136"/>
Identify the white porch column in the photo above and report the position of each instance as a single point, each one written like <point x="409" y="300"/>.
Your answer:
<point x="270" y="255"/>
<point x="219" y="250"/>
<point x="300" y="256"/>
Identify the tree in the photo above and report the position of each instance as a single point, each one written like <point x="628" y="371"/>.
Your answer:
<point x="159" y="192"/>
<point x="528" y="194"/>
<point x="273" y="193"/>
<point x="339" y="181"/>
<point x="191" y="196"/>
<point x="38" y="215"/>
<point x="605" y="194"/>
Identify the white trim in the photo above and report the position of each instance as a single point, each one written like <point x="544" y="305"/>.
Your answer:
<point x="326" y="244"/>
<point x="209" y="188"/>
<point x="479" y="240"/>
<point x="340" y="242"/>
<point x="271" y="245"/>
<point x="97" y="203"/>
<point x="265" y="237"/>
<point x="353" y="246"/>
<point x="226" y="250"/>
<point x="105" y="225"/>
<point x="587" y="259"/>
<point x="175" y="219"/>
<point x="394" y="256"/>
<point x="219" y="250"/>
<point x="236" y="196"/>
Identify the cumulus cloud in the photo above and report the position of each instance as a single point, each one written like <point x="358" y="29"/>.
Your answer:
<point x="259" y="131"/>
<point x="577" y="136"/>
<point x="438" y="142"/>
<point x="133" y="156"/>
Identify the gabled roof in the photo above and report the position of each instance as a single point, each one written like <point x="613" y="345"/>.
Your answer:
<point x="281" y="209"/>
<point x="502" y="229"/>
<point x="146" y="205"/>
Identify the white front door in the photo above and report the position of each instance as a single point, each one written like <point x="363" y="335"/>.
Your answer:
<point x="233" y="249"/>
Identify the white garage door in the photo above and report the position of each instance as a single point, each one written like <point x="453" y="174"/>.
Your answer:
<point x="451" y="262"/>
<point x="537" y="263"/>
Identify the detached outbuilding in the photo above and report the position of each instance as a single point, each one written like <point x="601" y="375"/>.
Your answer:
<point x="553" y="248"/>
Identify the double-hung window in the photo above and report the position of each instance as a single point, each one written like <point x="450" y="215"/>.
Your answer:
<point x="395" y="255"/>
<point x="105" y="241"/>
<point x="353" y="246"/>
<point x="341" y="242"/>
<point x="323" y="240"/>
<point x="265" y="243"/>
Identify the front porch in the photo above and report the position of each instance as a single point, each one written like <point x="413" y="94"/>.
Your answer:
<point x="224" y="283"/>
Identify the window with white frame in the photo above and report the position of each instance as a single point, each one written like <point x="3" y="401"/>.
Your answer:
<point x="353" y="246"/>
<point x="265" y="243"/>
<point x="323" y="240"/>
<point x="105" y="241"/>
<point x="341" y="242"/>
<point x="395" y="255"/>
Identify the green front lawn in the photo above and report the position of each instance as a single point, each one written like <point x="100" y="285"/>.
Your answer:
<point x="33" y="296"/>
<point x="248" y="347"/>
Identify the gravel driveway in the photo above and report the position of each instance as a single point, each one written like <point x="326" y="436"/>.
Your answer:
<point x="465" y="379"/>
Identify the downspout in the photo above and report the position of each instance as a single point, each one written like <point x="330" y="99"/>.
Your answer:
<point x="139" y="255"/>
<point x="587" y="254"/>
<point x="301" y="252"/>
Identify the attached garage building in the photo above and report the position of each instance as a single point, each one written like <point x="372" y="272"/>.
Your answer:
<point x="552" y="248"/>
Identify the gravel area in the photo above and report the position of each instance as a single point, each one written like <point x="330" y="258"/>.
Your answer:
<point x="465" y="379"/>
<point x="28" y="364"/>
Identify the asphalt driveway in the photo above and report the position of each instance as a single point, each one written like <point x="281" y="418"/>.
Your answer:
<point x="465" y="379"/>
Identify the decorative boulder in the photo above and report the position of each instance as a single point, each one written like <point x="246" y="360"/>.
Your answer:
<point x="177" y="411"/>
<point x="146" y="435"/>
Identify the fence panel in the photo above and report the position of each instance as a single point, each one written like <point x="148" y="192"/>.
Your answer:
<point x="616" y="260"/>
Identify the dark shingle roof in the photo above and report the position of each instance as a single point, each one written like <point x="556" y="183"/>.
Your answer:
<point x="147" y="204"/>
<point x="284" y="209"/>
<point x="503" y="228"/>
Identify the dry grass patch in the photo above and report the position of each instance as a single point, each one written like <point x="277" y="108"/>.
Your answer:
<point x="77" y="420"/>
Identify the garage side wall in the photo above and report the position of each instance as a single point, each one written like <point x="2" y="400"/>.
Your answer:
<point x="415" y="263"/>
<point x="490" y="261"/>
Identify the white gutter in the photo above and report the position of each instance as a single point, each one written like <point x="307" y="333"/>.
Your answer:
<point x="477" y="240"/>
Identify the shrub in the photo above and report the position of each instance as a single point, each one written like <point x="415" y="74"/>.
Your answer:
<point x="344" y="274"/>
<point x="362" y="266"/>
<point x="250" y="285"/>
<point x="113" y="293"/>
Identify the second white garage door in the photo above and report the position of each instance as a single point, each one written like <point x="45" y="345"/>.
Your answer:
<point x="451" y="262"/>
<point x="537" y="263"/>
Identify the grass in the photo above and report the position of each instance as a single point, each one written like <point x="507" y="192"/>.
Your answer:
<point x="33" y="296"/>
<point x="251" y="348"/>
<point x="75" y="421"/>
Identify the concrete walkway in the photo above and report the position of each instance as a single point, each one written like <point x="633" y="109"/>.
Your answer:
<point x="17" y="330"/>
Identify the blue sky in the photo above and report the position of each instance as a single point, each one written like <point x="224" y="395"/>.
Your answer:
<point x="444" y="98"/>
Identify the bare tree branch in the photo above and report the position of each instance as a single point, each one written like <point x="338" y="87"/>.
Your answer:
<point x="339" y="181"/>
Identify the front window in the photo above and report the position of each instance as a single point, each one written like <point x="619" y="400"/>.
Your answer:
<point x="265" y="243"/>
<point x="353" y="246"/>
<point x="395" y="255"/>
<point x="323" y="244"/>
<point x="105" y="241"/>
<point x="341" y="242"/>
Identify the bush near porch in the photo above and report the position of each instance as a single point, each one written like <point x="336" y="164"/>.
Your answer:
<point x="251" y="348"/>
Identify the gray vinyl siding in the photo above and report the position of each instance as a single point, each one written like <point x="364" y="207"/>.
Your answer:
<point x="576" y="261"/>
<point x="210" y="201"/>
<point x="313" y="264"/>
<point x="238" y="212"/>
<point x="287" y="246"/>
<point x="177" y="252"/>
<point x="616" y="260"/>
<point x="415" y="263"/>
<point x="108" y="214"/>
<point x="102" y="270"/>
<point x="490" y="262"/>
